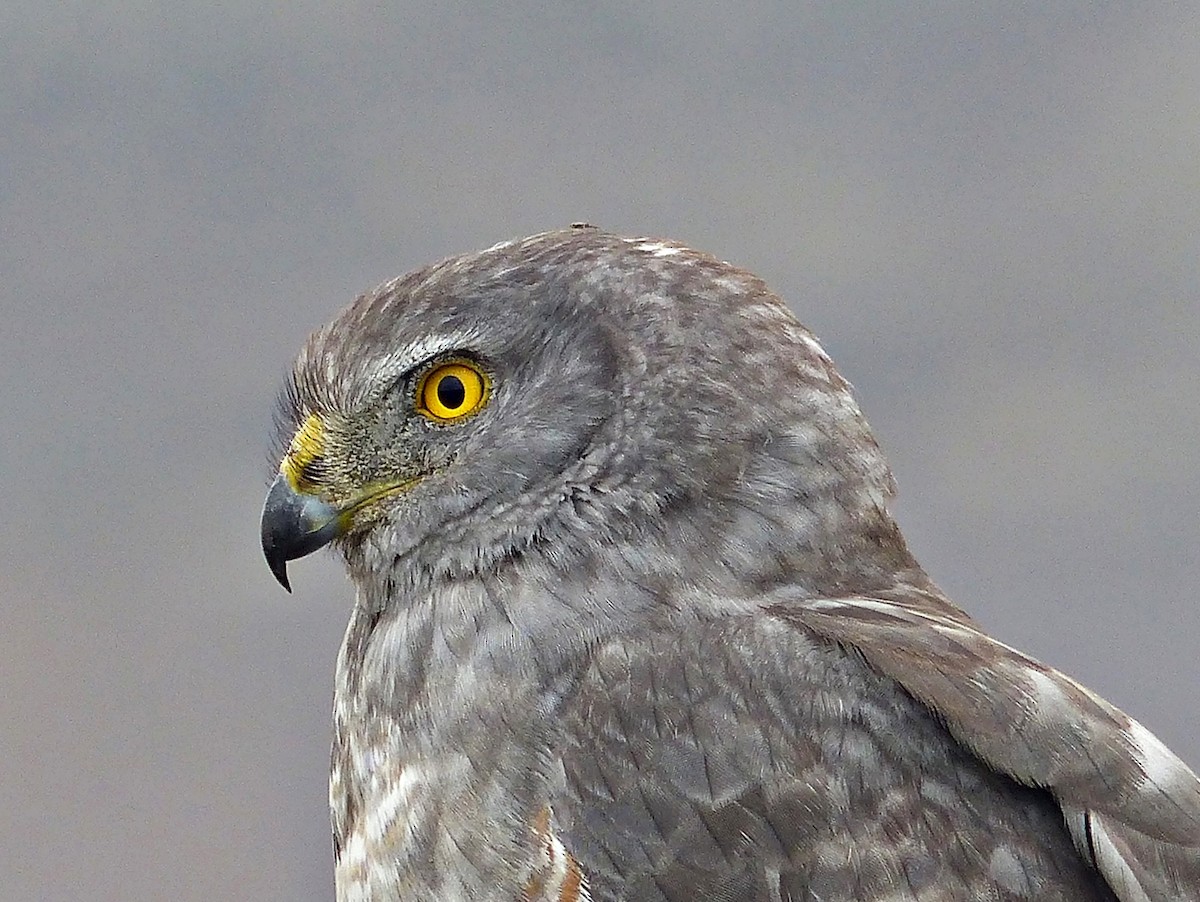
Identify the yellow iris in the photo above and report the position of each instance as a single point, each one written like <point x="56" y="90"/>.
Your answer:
<point x="451" y="391"/>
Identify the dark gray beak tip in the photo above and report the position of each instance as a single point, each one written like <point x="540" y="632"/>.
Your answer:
<point x="278" y="565"/>
<point x="276" y="522"/>
<point x="293" y="525"/>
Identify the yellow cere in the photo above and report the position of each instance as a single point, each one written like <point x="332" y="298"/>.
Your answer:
<point x="451" y="391"/>
<point x="307" y="445"/>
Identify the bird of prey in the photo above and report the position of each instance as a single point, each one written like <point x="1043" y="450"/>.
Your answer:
<point x="633" y="621"/>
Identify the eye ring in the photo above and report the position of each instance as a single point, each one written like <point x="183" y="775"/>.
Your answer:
<point x="452" y="390"/>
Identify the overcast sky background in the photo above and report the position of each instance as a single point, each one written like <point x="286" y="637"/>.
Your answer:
<point x="989" y="212"/>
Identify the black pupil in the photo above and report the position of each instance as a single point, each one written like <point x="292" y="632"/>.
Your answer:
<point x="451" y="392"/>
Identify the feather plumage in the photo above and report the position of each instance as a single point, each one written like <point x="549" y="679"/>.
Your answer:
<point x="642" y="628"/>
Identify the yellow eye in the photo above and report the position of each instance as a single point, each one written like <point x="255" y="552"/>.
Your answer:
<point x="452" y="390"/>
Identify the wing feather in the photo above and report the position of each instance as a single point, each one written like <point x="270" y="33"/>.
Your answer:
<point x="1133" y="808"/>
<point x="743" y="758"/>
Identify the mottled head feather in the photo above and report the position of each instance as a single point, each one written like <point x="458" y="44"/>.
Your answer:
<point x="633" y="376"/>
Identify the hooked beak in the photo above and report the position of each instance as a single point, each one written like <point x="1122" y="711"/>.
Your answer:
<point x="295" y="524"/>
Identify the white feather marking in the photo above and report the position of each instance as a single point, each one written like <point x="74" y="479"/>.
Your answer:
<point x="354" y="853"/>
<point x="1052" y="702"/>
<point x="843" y="604"/>
<point x="498" y="246"/>
<point x="557" y="860"/>
<point x="773" y="884"/>
<point x="335" y="786"/>
<point x="813" y="345"/>
<point x="659" y="250"/>
<point x="332" y="369"/>
<point x="1110" y="863"/>
<point x="901" y="614"/>
<point x="1160" y="764"/>
<point x="559" y="871"/>
<point x="384" y="813"/>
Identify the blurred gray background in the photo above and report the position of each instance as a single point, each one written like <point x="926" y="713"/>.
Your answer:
<point x="989" y="212"/>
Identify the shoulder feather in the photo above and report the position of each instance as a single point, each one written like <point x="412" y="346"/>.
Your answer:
<point x="1132" y="806"/>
